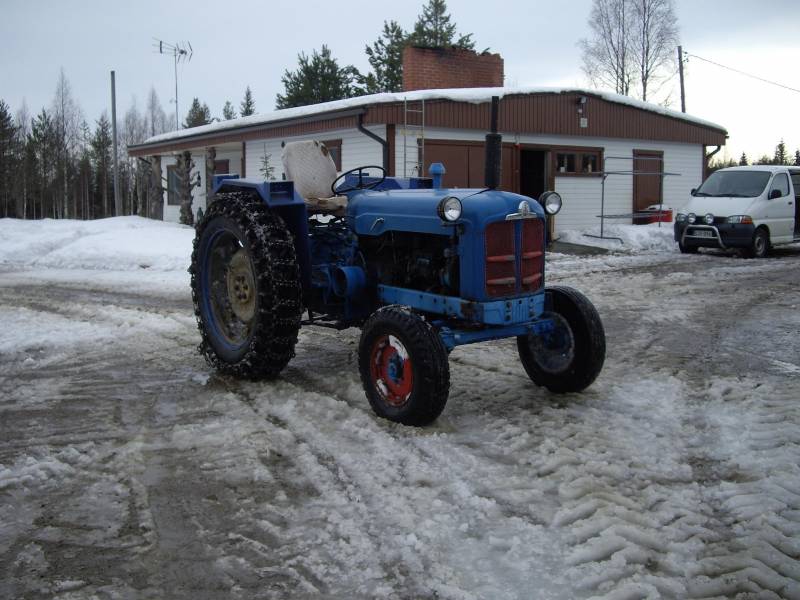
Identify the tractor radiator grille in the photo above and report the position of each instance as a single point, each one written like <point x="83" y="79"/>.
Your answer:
<point x="506" y="274"/>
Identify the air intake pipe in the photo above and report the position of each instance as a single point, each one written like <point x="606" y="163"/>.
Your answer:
<point x="494" y="146"/>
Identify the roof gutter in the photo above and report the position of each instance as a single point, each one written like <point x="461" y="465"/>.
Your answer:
<point x="203" y="138"/>
<point x="377" y="138"/>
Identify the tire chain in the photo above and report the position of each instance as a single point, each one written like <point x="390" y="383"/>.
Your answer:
<point x="279" y="290"/>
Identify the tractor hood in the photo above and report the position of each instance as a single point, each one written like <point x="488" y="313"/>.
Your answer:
<point x="374" y="213"/>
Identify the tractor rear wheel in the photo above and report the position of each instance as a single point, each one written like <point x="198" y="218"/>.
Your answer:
<point x="568" y="358"/>
<point x="245" y="287"/>
<point x="403" y="366"/>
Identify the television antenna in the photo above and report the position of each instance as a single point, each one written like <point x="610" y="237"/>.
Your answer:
<point x="180" y="51"/>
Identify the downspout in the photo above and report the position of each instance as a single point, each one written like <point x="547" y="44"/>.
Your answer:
<point x="377" y="138"/>
<point x="708" y="157"/>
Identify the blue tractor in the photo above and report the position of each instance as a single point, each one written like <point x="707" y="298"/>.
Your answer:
<point x="421" y="269"/>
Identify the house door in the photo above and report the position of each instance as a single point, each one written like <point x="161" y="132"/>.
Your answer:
<point x="533" y="173"/>
<point x="648" y="166"/>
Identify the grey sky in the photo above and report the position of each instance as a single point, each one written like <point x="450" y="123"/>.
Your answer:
<point x="252" y="43"/>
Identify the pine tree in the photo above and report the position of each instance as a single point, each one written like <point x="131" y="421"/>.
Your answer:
<point x="743" y="162"/>
<point x="386" y="59"/>
<point x="797" y="158"/>
<point x="318" y="78"/>
<point x="43" y="148"/>
<point x="199" y="114"/>
<point x="248" y="105"/>
<point x="781" y="157"/>
<point x="433" y="28"/>
<point x="228" y="112"/>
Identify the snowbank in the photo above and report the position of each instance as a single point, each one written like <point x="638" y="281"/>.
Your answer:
<point x="118" y="244"/>
<point x="636" y="239"/>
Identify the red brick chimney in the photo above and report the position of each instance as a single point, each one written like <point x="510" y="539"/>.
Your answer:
<point x="441" y="68"/>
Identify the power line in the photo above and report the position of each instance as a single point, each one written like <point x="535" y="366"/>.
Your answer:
<point x="786" y="87"/>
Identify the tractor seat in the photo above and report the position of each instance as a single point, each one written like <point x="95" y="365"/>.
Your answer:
<point x="310" y="166"/>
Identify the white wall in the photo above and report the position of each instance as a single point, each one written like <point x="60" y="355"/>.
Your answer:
<point x="357" y="149"/>
<point x="582" y="195"/>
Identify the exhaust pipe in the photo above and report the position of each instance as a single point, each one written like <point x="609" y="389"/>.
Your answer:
<point x="494" y="147"/>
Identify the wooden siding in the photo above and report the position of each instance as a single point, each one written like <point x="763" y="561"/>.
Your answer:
<point x="555" y="114"/>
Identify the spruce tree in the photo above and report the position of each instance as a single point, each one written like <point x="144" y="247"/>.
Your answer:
<point x="433" y="29"/>
<point x="386" y="59"/>
<point x="743" y="160"/>
<point x="199" y="114"/>
<point x="248" y="105"/>
<point x="797" y="158"/>
<point x="101" y="156"/>
<point x="8" y="156"/>
<point x="781" y="157"/>
<point x="228" y="112"/>
<point x="318" y="78"/>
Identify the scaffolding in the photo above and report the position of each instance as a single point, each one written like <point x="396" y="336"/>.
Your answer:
<point x="414" y="108"/>
<point x="632" y="215"/>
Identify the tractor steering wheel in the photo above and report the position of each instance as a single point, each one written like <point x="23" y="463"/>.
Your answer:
<point x="361" y="184"/>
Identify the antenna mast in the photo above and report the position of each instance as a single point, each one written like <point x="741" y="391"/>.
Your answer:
<point x="180" y="51"/>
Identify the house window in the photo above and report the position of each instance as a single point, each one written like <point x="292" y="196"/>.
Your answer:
<point x="172" y="185"/>
<point x="222" y="166"/>
<point x="577" y="162"/>
<point x="335" y="149"/>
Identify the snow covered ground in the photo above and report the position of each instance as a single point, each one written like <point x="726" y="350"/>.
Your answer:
<point x="128" y="469"/>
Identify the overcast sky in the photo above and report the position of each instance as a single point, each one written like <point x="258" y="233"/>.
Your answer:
<point x="251" y="43"/>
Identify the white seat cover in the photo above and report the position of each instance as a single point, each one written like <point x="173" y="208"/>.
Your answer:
<point x="310" y="166"/>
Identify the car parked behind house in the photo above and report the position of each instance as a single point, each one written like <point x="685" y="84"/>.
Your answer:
<point x="750" y="208"/>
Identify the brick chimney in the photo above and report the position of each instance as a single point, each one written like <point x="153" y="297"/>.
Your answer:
<point x="441" y="68"/>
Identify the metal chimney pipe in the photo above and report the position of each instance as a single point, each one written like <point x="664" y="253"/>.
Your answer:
<point x="494" y="146"/>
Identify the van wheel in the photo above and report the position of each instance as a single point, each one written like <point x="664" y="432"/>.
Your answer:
<point x="759" y="247"/>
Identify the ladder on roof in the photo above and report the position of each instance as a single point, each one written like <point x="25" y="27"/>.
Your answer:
<point x="414" y="166"/>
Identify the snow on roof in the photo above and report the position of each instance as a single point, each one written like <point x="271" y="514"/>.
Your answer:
<point x="471" y="95"/>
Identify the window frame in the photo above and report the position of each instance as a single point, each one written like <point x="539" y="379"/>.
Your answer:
<point x="172" y="192"/>
<point x="578" y="153"/>
<point x="218" y="162"/>
<point x="335" y="149"/>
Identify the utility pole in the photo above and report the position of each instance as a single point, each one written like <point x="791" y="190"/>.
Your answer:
<point x="179" y="51"/>
<point x="117" y="199"/>
<point x="680" y="72"/>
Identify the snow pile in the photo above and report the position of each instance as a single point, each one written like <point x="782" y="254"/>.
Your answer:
<point x="118" y="243"/>
<point x="636" y="239"/>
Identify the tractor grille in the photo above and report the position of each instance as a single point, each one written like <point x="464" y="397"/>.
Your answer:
<point x="506" y="273"/>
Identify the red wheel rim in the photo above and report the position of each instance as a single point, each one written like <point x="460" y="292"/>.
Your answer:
<point x="391" y="369"/>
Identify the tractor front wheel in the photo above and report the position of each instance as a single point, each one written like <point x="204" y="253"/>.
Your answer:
<point x="403" y="366"/>
<point x="570" y="356"/>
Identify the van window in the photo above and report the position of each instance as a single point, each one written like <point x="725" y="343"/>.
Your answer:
<point x="736" y="184"/>
<point x="781" y="183"/>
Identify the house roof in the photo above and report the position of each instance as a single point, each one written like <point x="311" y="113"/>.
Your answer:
<point x="359" y="104"/>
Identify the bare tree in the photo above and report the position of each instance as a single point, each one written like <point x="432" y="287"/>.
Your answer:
<point x="608" y="56"/>
<point x="632" y="47"/>
<point x="156" y="118"/>
<point x="655" y="36"/>
<point x="67" y="118"/>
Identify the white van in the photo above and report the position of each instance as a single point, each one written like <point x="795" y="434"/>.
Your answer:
<point x="752" y="208"/>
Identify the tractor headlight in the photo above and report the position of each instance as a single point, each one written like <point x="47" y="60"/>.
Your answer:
<point x="551" y="202"/>
<point x="709" y="219"/>
<point x="691" y="218"/>
<point x="449" y="209"/>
